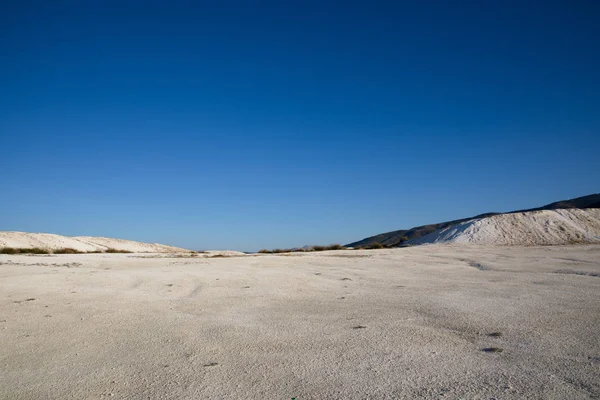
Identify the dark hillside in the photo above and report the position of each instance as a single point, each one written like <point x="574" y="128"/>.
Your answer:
<point x="395" y="238"/>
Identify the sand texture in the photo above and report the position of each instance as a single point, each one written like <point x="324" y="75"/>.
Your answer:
<point x="548" y="227"/>
<point x="470" y="322"/>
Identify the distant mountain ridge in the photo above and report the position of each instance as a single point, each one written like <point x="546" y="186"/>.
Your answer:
<point x="396" y="238"/>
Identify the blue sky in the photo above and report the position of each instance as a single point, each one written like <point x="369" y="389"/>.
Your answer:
<point x="248" y="125"/>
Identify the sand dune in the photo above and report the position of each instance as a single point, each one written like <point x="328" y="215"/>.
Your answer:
<point x="548" y="227"/>
<point x="81" y="243"/>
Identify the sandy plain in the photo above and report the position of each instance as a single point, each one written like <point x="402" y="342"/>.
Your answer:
<point x="435" y="322"/>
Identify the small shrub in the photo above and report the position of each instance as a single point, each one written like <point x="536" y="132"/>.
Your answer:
<point x="330" y="247"/>
<point x="302" y="250"/>
<point x="116" y="251"/>
<point x="9" y="250"/>
<point x="67" y="250"/>
<point x="265" y="251"/>
<point x="34" y="250"/>
<point x="374" y="246"/>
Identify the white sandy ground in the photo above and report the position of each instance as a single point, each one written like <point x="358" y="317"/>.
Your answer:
<point x="383" y="324"/>
<point x="548" y="227"/>
<point x="81" y="243"/>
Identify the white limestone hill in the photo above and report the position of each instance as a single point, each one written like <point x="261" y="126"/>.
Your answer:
<point x="547" y="227"/>
<point x="25" y="240"/>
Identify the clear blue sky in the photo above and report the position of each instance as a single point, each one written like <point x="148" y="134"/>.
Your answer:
<point x="246" y="126"/>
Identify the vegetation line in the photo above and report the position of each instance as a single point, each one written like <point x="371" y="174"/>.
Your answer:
<point x="65" y="250"/>
<point x="322" y="248"/>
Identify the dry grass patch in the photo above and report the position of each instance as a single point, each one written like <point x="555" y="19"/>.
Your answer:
<point x="67" y="250"/>
<point x="13" y="250"/>
<point x="335" y="246"/>
<point x="117" y="251"/>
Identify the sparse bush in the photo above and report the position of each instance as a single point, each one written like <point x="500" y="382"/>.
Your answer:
<point x="374" y="246"/>
<point x="34" y="250"/>
<point x="275" y="251"/>
<point x="116" y="251"/>
<point x="67" y="250"/>
<point x="335" y="246"/>
<point x="302" y="250"/>
<point x="9" y="250"/>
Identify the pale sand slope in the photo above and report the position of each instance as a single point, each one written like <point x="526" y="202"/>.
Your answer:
<point x="385" y="324"/>
<point x="80" y="243"/>
<point x="548" y="227"/>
